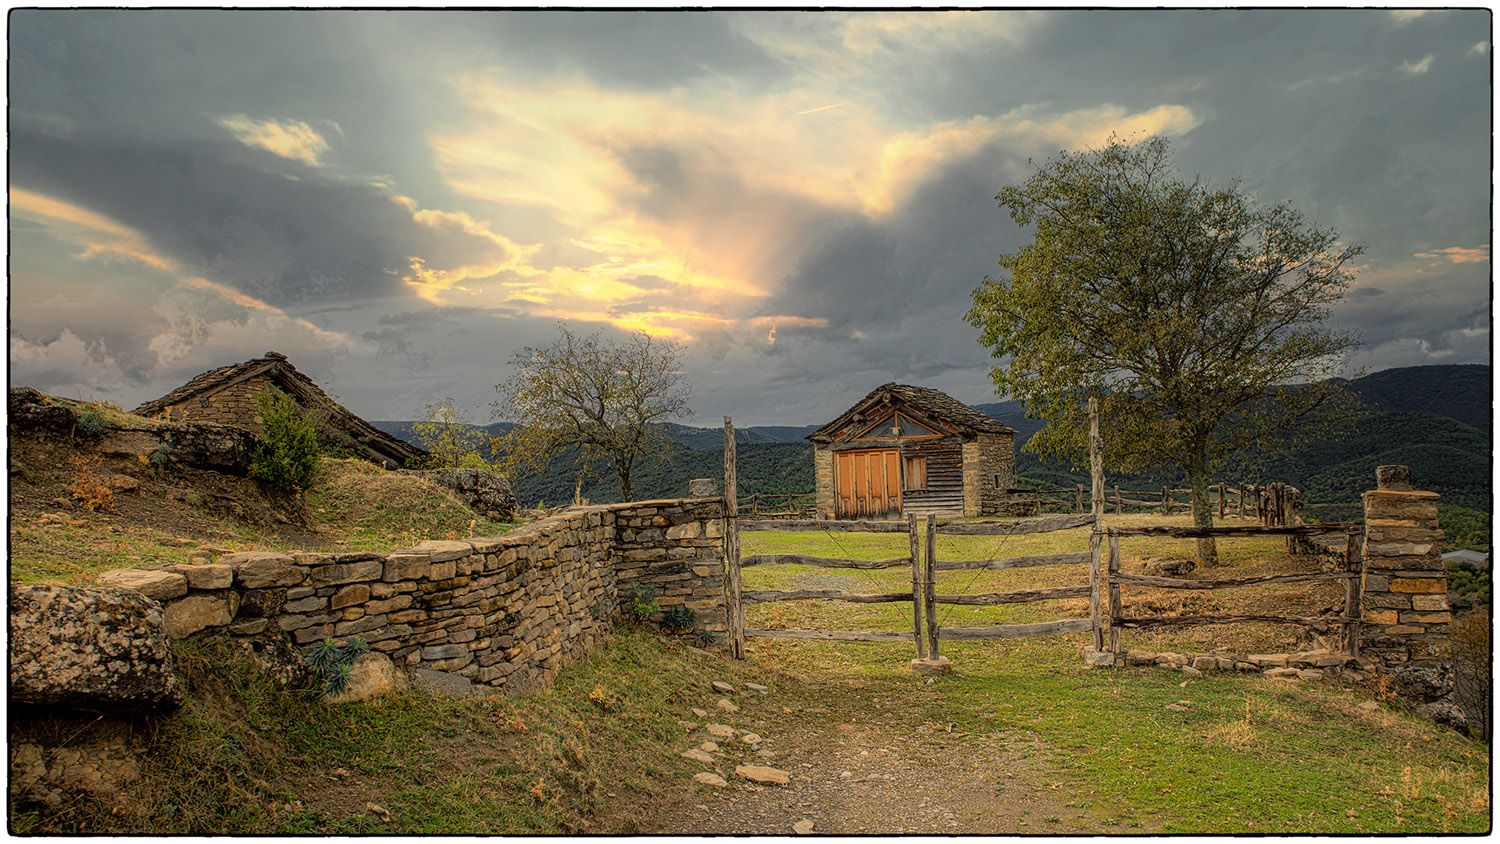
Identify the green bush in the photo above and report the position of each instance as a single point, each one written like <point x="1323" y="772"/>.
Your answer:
<point x="288" y="455"/>
<point x="331" y="664"/>
<point x="642" y="603"/>
<point x="678" y="618"/>
<point x="91" y="423"/>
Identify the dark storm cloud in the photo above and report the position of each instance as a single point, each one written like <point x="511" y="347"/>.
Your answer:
<point x="273" y="229"/>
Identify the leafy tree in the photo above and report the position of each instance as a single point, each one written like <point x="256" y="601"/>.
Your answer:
<point x="450" y="442"/>
<point x="596" y="398"/>
<point x="1193" y="313"/>
<point x="287" y="457"/>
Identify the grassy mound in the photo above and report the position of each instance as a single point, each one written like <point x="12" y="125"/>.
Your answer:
<point x="363" y="507"/>
<point x="244" y="756"/>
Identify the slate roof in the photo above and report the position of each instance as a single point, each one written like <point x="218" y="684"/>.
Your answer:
<point x="934" y="404"/>
<point x="369" y="442"/>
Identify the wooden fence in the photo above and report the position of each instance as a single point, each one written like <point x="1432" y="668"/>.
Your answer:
<point x="1272" y="504"/>
<point x="1349" y="573"/>
<point x="781" y="505"/>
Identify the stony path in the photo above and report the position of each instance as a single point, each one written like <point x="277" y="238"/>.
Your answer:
<point x="862" y="769"/>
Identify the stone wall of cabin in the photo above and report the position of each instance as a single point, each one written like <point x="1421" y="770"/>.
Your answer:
<point x="493" y="613"/>
<point x="988" y="457"/>
<point x="234" y="405"/>
<point x="823" y="479"/>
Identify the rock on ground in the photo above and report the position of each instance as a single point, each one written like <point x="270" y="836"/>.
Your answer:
<point x="88" y="646"/>
<point x="764" y="775"/>
<point x="372" y="675"/>
<point x="710" y="778"/>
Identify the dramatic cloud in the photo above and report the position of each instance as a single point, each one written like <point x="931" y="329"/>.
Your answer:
<point x="399" y="201"/>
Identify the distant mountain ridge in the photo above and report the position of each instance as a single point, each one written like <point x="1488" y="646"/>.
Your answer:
<point x="1435" y="418"/>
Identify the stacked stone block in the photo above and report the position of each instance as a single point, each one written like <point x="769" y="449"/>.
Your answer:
<point x="505" y="612"/>
<point x="1405" y="618"/>
<point x="988" y="458"/>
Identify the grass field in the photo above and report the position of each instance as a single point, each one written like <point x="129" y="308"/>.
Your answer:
<point x="1251" y="754"/>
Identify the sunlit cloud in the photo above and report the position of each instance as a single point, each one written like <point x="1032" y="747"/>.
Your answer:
<point x="291" y="139"/>
<point x="1401" y="16"/>
<point x="96" y="235"/>
<point x="1418" y="67"/>
<point x="1480" y="49"/>
<point x="1457" y="254"/>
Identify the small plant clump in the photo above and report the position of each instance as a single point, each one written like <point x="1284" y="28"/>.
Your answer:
<point x="161" y="456"/>
<point x="331" y="664"/>
<point x="91" y="423"/>
<point x="643" y="604"/>
<point x="677" y="619"/>
<point x="705" y="638"/>
<point x="86" y="487"/>
<point x="287" y="459"/>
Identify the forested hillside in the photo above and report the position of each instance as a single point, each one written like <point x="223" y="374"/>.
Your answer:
<point x="1432" y="418"/>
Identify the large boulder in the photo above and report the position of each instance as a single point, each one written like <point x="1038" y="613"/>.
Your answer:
<point x="486" y="493"/>
<point x="73" y="646"/>
<point x="372" y="675"/>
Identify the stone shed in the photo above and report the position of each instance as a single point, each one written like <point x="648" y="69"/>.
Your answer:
<point x="228" y="395"/>
<point x="904" y="449"/>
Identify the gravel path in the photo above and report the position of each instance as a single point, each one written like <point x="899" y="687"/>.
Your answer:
<point x="870" y="768"/>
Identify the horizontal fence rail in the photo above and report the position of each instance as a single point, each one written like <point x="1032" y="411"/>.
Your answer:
<point x="1238" y="530"/>
<point x="841" y="526"/>
<point x="832" y="635"/>
<point x="826" y="562"/>
<point x="761" y="596"/>
<point x="1320" y="622"/>
<point x="1013" y="562"/>
<point x="1022" y="596"/>
<point x="1042" y="525"/>
<point x="1179" y="583"/>
<point x="1017" y="631"/>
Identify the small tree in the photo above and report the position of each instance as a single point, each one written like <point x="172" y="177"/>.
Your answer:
<point x="602" y="398"/>
<point x="450" y="441"/>
<point x="1195" y="315"/>
<point x="287" y="457"/>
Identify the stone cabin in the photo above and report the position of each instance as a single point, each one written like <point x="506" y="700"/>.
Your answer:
<point x="228" y="395"/>
<point x="904" y="449"/>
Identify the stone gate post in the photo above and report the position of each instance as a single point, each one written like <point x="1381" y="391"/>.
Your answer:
<point x="1405" y="619"/>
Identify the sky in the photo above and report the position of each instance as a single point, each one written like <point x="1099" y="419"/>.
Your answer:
<point x="399" y="201"/>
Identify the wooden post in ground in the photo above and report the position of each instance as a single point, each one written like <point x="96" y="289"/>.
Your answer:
<point x="929" y="588"/>
<point x="1096" y="537"/>
<point x="755" y="506"/>
<point x="1166" y="501"/>
<point x="1119" y="502"/>
<point x="1078" y="499"/>
<point x="1114" y="595"/>
<point x="917" y="576"/>
<point x="1354" y="565"/>
<point x="1221" y="499"/>
<point x="734" y="610"/>
<point x="1242" y="500"/>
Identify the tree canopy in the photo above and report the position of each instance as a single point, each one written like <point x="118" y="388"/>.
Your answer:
<point x="599" y="397"/>
<point x="1195" y="314"/>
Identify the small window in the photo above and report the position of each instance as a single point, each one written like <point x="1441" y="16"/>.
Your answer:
<point x="916" y="473"/>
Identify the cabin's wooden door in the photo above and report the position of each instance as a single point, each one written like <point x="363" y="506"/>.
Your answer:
<point x="868" y="483"/>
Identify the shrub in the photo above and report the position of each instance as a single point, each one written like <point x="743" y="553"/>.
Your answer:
<point x="91" y="423"/>
<point x="161" y="456"/>
<point x="86" y="486"/>
<point x="331" y="664"/>
<point x="642" y="603"/>
<point x="705" y="638"/>
<point x="287" y="457"/>
<point x="678" y="618"/>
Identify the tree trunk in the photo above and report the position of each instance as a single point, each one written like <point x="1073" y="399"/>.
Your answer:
<point x="623" y="469"/>
<point x="1203" y="517"/>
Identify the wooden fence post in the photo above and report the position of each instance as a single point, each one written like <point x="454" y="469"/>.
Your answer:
<point x="917" y="576"/>
<point x="1119" y="502"/>
<point x="1078" y="499"/>
<point x="1096" y="537"/>
<point x="734" y="609"/>
<point x="1114" y="595"/>
<point x="929" y="588"/>
<point x="1221" y="499"/>
<point x="755" y="506"/>
<point x="1242" y="500"/>
<point x="1166" y="501"/>
<point x="1354" y="564"/>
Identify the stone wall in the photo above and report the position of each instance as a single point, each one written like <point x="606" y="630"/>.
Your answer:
<point x="233" y="405"/>
<point x="1405" y="618"/>
<point x="504" y="612"/>
<point x="823" y="480"/>
<point x="989" y="457"/>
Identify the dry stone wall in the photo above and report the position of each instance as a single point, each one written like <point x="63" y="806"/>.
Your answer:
<point x="504" y="612"/>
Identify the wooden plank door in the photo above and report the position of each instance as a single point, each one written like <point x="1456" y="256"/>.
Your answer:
<point x="868" y="483"/>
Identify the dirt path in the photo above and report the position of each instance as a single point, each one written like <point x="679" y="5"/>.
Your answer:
<point x="861" y="763"/>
